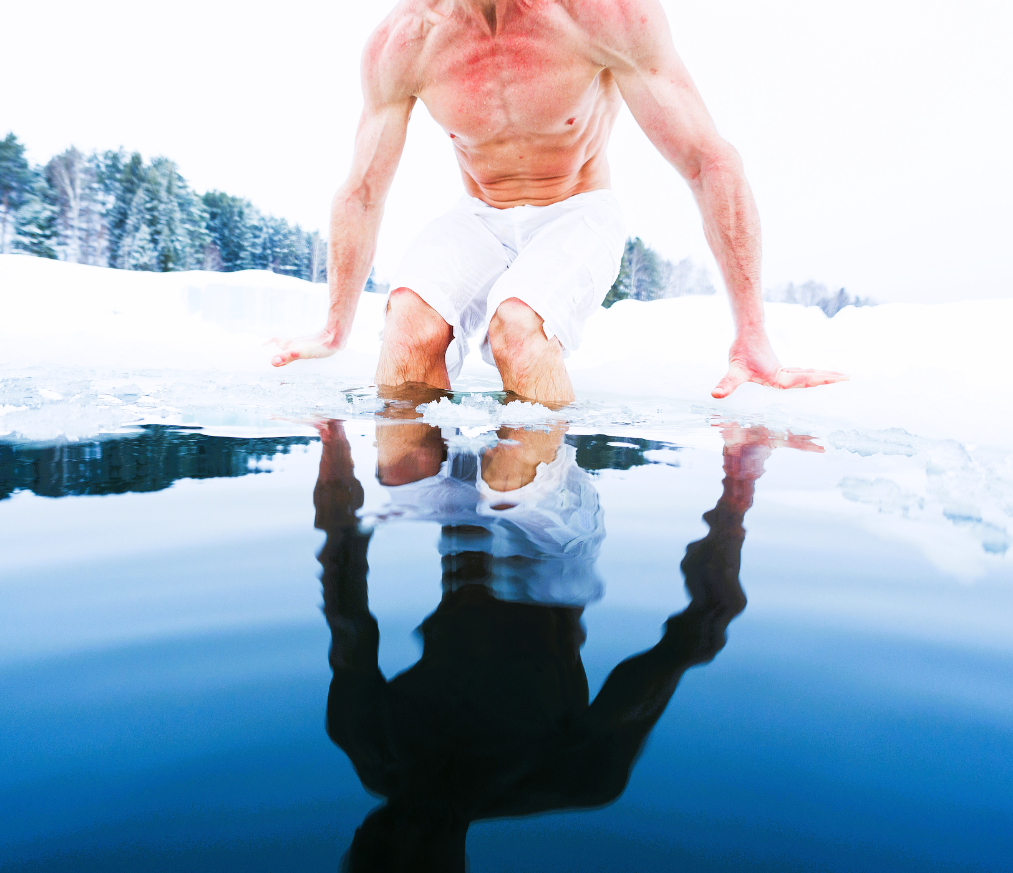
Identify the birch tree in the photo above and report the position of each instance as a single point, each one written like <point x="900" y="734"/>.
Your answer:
<point x="65" y="174"/>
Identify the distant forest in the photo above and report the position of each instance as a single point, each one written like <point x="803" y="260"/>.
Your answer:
<point x="112" y="209"/>
<point x="645" y="275"/>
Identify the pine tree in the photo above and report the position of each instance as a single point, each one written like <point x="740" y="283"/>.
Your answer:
<point x="175" y="218"/>
<point x="256" y="255"/>
<point x="165" y="224"/>
<point x="35" y="230"/>
<point x="17" y="182"/>
<point x="285" y="250"/>
<point x="234" y="228"/>
<point x="137" y="251"/>
<point x="122" y="179"/>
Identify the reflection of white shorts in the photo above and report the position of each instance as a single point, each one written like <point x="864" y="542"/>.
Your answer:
<point x="543" y="539"/>
<point x="561" y="260"/>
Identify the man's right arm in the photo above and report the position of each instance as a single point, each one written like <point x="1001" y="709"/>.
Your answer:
<point x="357" y="207"/>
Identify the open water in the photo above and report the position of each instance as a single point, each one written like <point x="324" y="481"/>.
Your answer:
<point x="386" y="645"/>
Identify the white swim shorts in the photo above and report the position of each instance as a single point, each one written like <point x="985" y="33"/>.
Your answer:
<point x="561" y="260"/>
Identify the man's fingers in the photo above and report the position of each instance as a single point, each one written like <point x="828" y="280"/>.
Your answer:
<point x="794" y="377"/>
<point x="284" y="358"/>
<point x="733" y="378"/>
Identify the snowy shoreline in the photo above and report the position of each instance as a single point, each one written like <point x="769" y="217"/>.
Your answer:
<point x="933" y="370"/>
<point x="923" y="429"/>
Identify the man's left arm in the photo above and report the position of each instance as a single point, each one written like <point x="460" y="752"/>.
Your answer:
<point x="638" y="49"/>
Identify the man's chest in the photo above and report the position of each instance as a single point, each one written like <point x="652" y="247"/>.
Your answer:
<point x="524" y="84"/>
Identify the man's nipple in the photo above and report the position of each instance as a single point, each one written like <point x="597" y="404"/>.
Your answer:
<point x="570" y="120"/>
<point x="453" y="136"/>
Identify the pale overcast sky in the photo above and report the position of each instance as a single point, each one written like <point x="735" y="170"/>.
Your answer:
<point x="877" y="135"/>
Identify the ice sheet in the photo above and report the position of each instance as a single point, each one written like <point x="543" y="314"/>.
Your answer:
<point x="930" y="404"/>
<point x="171" y="341"/>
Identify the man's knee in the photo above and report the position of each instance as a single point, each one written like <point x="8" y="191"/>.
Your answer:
<point x="413" y="323"/>
<point x="515" y="330"/>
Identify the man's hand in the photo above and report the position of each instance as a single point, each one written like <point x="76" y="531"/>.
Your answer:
<point x="317" y="345"/>
<point x="755" y="361"/>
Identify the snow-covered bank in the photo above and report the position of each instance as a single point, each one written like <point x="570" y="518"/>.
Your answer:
<point x="85" y="348"/>
<point x="936" y="370"/>
<point x="917" y="444"/>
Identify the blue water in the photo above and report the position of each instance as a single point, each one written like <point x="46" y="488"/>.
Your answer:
<point x="165" y="673"/>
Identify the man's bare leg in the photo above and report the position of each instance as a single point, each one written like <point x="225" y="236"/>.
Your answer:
<point x="415" y="342"/>
<point x="529" y="364"/>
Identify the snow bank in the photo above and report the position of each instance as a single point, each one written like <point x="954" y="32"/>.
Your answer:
<point x="938" y="370"/>
<point x="917" y="444"/>
<point x="86" y="348"/>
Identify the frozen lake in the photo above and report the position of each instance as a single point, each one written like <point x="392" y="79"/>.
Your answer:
<point x="516" y="656"/>
<point x="505" y="662"/>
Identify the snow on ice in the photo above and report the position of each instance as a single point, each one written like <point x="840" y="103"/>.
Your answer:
<point x="85" y="350"/>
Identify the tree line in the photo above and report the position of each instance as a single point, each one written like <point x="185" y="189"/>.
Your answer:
<point x="646" y="275"/>
<point x="113" y="209"/>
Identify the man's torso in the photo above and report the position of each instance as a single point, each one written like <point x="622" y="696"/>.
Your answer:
<point x="519" y="91"/>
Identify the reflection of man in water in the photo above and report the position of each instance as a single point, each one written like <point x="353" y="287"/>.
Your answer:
<point x="522" y="509"/>
<point x="494" y="719"/>
<point x="528" y="93"/>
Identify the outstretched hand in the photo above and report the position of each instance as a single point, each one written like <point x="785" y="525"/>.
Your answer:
<point x="756" y="362"/>
<point x="317" y="345"/>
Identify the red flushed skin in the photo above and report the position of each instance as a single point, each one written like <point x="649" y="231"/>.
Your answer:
<point x="514" y="84"/>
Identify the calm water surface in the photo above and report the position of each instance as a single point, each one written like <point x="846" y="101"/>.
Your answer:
<point x="393" y="646"/>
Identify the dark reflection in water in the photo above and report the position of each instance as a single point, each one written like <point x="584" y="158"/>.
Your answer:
<point x="149" y="460"/>
<point x="495" y="720"/>
<point x="845" y="728"/>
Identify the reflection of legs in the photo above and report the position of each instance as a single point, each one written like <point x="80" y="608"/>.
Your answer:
<point x="509" y="467"/>
<point x="415" y="342"/>
<point x="406" y="449"/>
<point x="407" y="452"/>
<point x="530" y="365"/>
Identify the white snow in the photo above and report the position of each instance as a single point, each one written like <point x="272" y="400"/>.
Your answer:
<point x="191" y="342"/>
<point x="76" y="340"/>
<point x="926" y="419"/>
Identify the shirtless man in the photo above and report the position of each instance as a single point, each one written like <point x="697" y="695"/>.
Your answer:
<point x="528" y="92"/>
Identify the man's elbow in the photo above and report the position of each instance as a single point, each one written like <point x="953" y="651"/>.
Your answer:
<point x="714" y="158"/>
<point x="357" y="202"/>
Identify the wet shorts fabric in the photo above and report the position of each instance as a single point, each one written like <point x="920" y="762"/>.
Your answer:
<point x="561" y="260"/>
